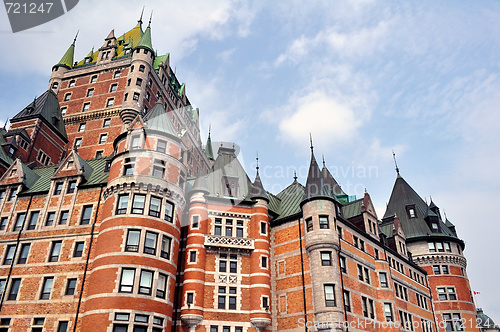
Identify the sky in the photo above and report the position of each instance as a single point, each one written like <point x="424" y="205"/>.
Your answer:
<point x="364" y="78"/>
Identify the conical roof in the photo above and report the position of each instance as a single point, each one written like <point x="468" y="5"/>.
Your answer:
<point x="330" y="182"/>
<point x="158" y="119"/>
<point x="208" y="148"/>
<point x="258" y="190"/>
<point x="145" y="41"/>
<point x="315" y="184"/>
<point x="200" y="185"/>
<point x="67" y="59"/>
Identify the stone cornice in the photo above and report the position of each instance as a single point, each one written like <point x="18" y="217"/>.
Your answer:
<point x="431" y="259"/>
<point x="93" y="115"/>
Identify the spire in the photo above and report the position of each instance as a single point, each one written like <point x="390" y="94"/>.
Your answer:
<point x="311" y="139"/>
<point x="295" y="176"/>
<point x="258" y="190"/>
<point x="145" y="41"/>
<point x="208" y="148"/>
<point x="142" y="12"/>
<point x="67" y="59"/>
<point x="315" y="186"/>
<point x="395" y="162"/>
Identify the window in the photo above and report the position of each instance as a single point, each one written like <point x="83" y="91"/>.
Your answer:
<point x="150" y="243"/>
<point x="3" y="223"/>
<point x="326" y="258"/>
<point x="103" y="138"/>
<point x="58" y="188"/>
<point x="218" y="228"/>
<point x="368" y="310"/>
<point x="145" y="282"/>
<point x="90" y="92"/>
<point x="33" y="219"/>
<point x="127" y="281"/>
<point x="46" y="288"/>
<point x="9" y="256"/>
<point x="50" y="219"/>
<point x="141" y="68"/>
<point x="445" y="270"/>
<point x="437" y="269"/>
<point x="55" y="85"/>
<point x="78" y="142"/>
<point x="159" y="172"/>
<point x="110" y="102"/>
<point x="388" y="312"/>
<point x="138" y="82"/>
<point x="230" y="186"/>
<point x="63" y="110"/>
<point x="169" y="211"/>
<point x="265" y="303"/>
<point x="55" y="251"/>
<point x="63" y="218"/>
<point x="138" y="204"/>
<point x="71" y="187"/>
<point x="70" y="287"/>
<point x="233" y="264"/>
<point x="165" y="247"/>
<point x="161" y="286"/>
<point x="63" y="326"/>
<point x="222" y="263"/>
<point x="2" y="287"/>
<point x="136" y="142"/>
<point x="23" y="257"/>
<point x="117" y="74"/>
<point x="148" y="96"/>
<point x="355" y="241"/>
<point x="132" y="243"/>
<point x="71" y="84"/>
<point x="136" y="96"/>
<point x="106" y="123"/>
<point x="221" y="301"/>
<point x="343" y="265"/>
<point x="195" y="222"/>
<point x="264" y="262"/>
<point x="309" y="224"/>
<point x="362" y="245"/>
<point x="232" y="299"/>
<point x="229" y="227"/>
<point x="78" y="251"/>
<point x="347" y="301"/>
<point x="263" y="227"/>
<point x="93" y="79"/>
<point x="239" y="228"/>
<point x="67" y="97"/>
<point x="329" y="295"/>
<point x="19" y="222"/>
<point x="113" y="87"/>
<point x="81" y="127"/>
<point x="14" y="289"/>
<point x="189" y="298"/>
<point x="161" y="146"/>
<point x="447" y="293"/>
<point x="453" y="321"/>
<point x="377" y="256"/>
<point x="432" y="246"/>
<point x="86" y="215"/>
<point x="86" y="107"/>
<point x="323" y="222"/>
<point x="122" y="204"/>
<point x="128" y="167"/>
<point x="411" y="212"/>
<point x="192" y="256"/>
<point x="383" y="280"/>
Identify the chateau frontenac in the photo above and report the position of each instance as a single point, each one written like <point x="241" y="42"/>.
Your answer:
<point x="116" y="216"/>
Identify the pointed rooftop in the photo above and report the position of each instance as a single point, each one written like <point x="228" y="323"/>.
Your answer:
<point x="290" y="199"/>
<point x="67" y="59"/>
<point x="258" y="190"/>
<point x="157" y="119"/>
<point x="208" y="148"/>
<point x="19" y="172"/>
<point x="145" y="41"/>
<point x="315" y="184"/>
<point x="330" y="182"/>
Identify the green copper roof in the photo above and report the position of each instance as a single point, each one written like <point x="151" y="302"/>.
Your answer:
<point x="67" y="59"/>
<point x="290" y="198"/>
<point x="352" y="209"/>
<point x="158" y="119"/>
<point x="160" y="59"/>
<point x="145" y="41"/>
<point x="208" y="148"/>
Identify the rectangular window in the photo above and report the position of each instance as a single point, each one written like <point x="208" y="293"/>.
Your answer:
<point x="347" y="301"/>
<point x="86" y="215"/>
<point x="161" y="286"/>
<point x="9" y="256"/>
<point x="436" y="269"/>
<point x="12" y="195"/>
<point x="127" y="281"/>
<point x="70" y="287"/>
<point x="165" y="247"/>
<point x="50" y="219"/>
<point x="367" y="275"/>
<point x="110" y="102"/>
<point x="343" y="265"/>
<point x="232" y="303"/>
<point x="63" y="218"/>
<point x="14" y="289"/>
<point x="86" y="107"/>
<point x="309" y="224"/>
<point x="93" y="79"/>
<point x="265" y="303"/>
<point x="432" y="246"/>
<point x="81" y="127"/>
<point x="78" y="142"/>
<point x="445" y="270"/>
<point x="169" y="212"/>
<point x="90" y="92"/>
<point x="19" y="222"/>
<point x="326" y="258"/>
<point x="192" y="256"/>
<point x="264" y="262"/>
<point x="263" y="228"/>
<point x="355" y="241"/>
<point x="195" y="222"/>
<point x="158" y="172"/>
<point x="71" y="187"/>
<point x="2" y="287"/>
<point x="388" y="312"/>
<point x="146" y="282"/>
<point x="122" y="204"/>
<point x="154" y="207"/>
<point x="239" y="228"/>
<point x="23" y="257"/>
<point x="113" y="87"/>
<point x="161" y="146"/>
<point x="222" y="263"/>
<point x="46" y="288"/>
<point x="329" y="295"/>
<point x="55" y="251"/>
<point x="58" y="188"/>
<point x="360" y="272"/>
<point x="3" y="223"/>
<point x="132" y="243"/>
<point x="383" y="280"/>
<point x="190" y="298"/>
<point x="136" y="96"/>
<point x="439" y="246"/>
<point x="150" y="243"/>
<point x="67" y="97"/>
<point x="63" y="326"/>
<point x="138" y="204"/>
<point x="138" y="82"/>
<point x="103" y="138"/>
<point x="106" y="123"/>
<point x="78" y="251"/>
<point x="323" y="222"/>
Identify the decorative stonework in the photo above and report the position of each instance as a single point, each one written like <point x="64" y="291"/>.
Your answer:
<point x="92" y="115"/>
<point x="440" y="259"/>
<point x="229" y="242"/>
<point x="147" y="188"/>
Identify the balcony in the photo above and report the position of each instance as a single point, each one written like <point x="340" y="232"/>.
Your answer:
<point x="229" y="242"/>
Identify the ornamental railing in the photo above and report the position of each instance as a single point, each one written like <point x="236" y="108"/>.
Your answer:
<point x="229" y="242"/>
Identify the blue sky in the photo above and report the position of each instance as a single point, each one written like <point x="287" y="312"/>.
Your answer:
<point x="364" y="77"/>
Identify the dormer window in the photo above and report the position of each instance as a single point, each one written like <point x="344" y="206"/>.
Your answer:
<point x="412" y="213"/>
<point x="11" y="152"/>
<point x="55" y="85"/>
<point x="230" y="186"/>
<point x="135" y="142"/>
<point x="87" y="60"/>
<point x="434" y="227"/>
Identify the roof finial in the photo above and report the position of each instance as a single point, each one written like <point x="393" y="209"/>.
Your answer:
<point x="150" y="18"/>
<point x="323" y="155"/>
<point x="445" y="216"/>
<point x="257" y="159"/>
<point x="140" y="19"/>
<point x="209" y="129"/>
<point x="295" y="175"/>
<point x="311" y="139"/>
<point x="395" y="162"/>
<point x="74" y="40"/>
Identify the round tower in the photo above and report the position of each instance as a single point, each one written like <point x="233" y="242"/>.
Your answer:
<point x="134" y="269"/>
<point x="260" y="272"/>
<point x="142" y="64"/>
<point x="193" y="301"/>
<point x="61" y="68"/>
<point x="321" y="243"/>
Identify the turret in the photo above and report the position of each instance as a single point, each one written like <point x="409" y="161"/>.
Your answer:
<point x="63" y="66"/>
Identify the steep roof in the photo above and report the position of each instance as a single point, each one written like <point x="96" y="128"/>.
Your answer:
<point x="208" y="148"/>
<point x="47" y="107"/>
<point x="315" y="185"/>
<point x="145" y="41"/>
<point x="402" y="197"/>
<point x="158" y="119"/>
<point x="67" y="59"/>
<point x="352" y="209"/>
<point x="290" y="199"/>
<point x="331" y="183"/>
<point x="258" y="189"/>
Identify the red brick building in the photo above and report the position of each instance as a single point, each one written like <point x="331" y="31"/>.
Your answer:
<point x="115" y="217"/>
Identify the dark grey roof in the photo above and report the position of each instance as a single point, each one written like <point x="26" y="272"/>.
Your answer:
<point x="258" y="189"/>
<point x="315" y="185"/>
<point x="290" y="199"/>
<point x="331" y="184"/>
<point x="403" y="196"/>
<point x="47" y="107"/>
